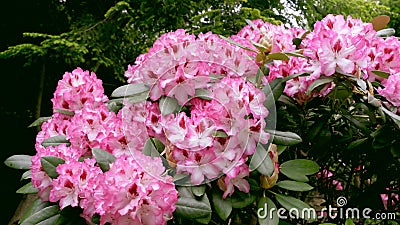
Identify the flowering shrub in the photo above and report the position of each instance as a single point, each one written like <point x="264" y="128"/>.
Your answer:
<point x="196" y="122"/>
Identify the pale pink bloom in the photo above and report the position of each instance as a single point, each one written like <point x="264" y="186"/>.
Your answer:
<point x="75" y="183"/>
<point x="77" y="90"/>
<point x="55" y="126"/>
<point x="88" y="127"/>
<point x="336" y="53"/>
<point x="39" y="177"/>
<point x="198" y="164"/>
<point x="237" y="181"/>
<point x="391" y="90"/>
<point x="131" y="190"/>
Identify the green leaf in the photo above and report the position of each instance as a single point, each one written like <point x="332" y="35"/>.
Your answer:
<point x="297" y="169"/>
<point x="203" y="94"/>
<point x="316" y="128"/>
<point x="27" y="189"/>
<point x="294" y="185"/>
<point x="382" y="74"/>
<point x="158" y="144"/>
<point x="204" y="220"/>
<point x="260" y="47"/>
<point x="297" y="42"/>
<point x="237" y="44"/>
<point x="26" y="175"/>
<point x="149" y="149"/>
<point x="35" y="206"/>
<point x="281" y="222"/>
<point x="385" y="33"/>
<point x="191" y="208"/>
<point x="395" y="150"/>
<point x="50" y="221"/>
<point x="273" y="92"/>
<point x="296" y="207"/>
<point x="55" y="141"/>
<point x="199" y="191"/>
<point x="349" y="222"/>
<point x="103" y="158"/>
<point x="20" y="162"/>
<point x="132" y="99"/>
<point x="357" y="143"/>
<point x="214" y="76"/>
<point x="42" y="215"/>
<point x="168" y="105"/>
<point x="275" y="89"/>
<point x="223" y="207"/>
<point x="395" y="118"/>
<point x="373" y="101"/>
<point x="318" y="82"/>
<point x="70" y="216"/>
<point x="241" y="199"/>
<point x="114" y="106"/>
<point x="294" y="76"/>
<point x="50" y="163"/>
<point x="259" y="77"/>
<point x="261" y="161"/>
<point x="65" y="112"/>
<point x="357" y="123"/>
<point x="39" y="121"/>
<point x="284" y="138"/>
<point x="130" y="90"/>
<point x="295" y="54"/>
<point x="278" y="56"/>
<point x="265" y="205"/>
<point x="182" y="179"/>
<point x="281" y="148"/>
<point x="219" y="133"/>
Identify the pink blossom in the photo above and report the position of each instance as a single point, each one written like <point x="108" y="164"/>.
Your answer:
<point x="90" y="127"/>
<point x="391" y="90"/>
<point x="134" y="189"/>
<point x="75" y="183"/>
<point x="236" y="179"/>
<point x="39" y="177"/>
<point x="77" y="90"/>
<point x="383" y="56"/>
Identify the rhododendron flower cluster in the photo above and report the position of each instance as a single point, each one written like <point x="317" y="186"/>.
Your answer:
<point x="133" y="190"/>
<point x="336" y="44"/>
<point x="77" y="90"/>
<point x="177" y="66"/>
<point x="150" y="199"/>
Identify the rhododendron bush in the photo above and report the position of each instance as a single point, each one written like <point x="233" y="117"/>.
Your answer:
<point x="209" y="129"/>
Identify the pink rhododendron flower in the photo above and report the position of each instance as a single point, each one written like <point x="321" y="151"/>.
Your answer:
<point x="90" y="127"/>
<point x="39" y="177"/>
<point x="236" y="179"/>
<point x="128" y="190"/>
<point x="384" y="56"/>
<point x="77" y="90"/>
<point x="391" y="90"/>
<point x="75" y="183"/>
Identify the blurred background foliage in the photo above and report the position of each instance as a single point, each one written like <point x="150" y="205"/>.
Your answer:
<point x="42" y="39"/>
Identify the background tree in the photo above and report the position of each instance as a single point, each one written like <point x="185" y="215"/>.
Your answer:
<point x="363" y="9"/>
